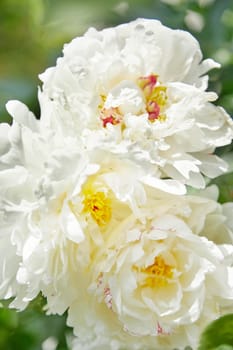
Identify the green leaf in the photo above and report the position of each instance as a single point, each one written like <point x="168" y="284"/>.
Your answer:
<point x="225" y="185"/>
<point x="218" y="335"/>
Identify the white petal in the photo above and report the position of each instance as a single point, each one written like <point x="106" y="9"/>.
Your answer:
<point x="170" y="186"/>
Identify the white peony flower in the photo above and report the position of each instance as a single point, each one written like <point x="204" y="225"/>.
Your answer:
<point x="138" y="91"/>
<point x="161" y="277"/>
<point x="56" y="205"/>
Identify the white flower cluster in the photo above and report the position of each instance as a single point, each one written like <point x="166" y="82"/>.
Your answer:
<point x="94" y="212"/>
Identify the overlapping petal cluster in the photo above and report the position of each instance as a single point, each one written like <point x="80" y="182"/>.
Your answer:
<point x="94" y="212"/>
<point x="138" y="91"/>
<point x="159" y="278"/>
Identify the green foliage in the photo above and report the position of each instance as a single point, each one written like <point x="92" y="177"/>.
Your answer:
<point x="225" y="185"/>
<point x="29" y="329"/>
<point x="218" y="335"/>
<point x="19" y="31"/>
<point x="224" y="347"/>
<point x="225" y="182"/>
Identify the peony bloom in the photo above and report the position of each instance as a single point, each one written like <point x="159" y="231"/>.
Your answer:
<point x="138" y="91"/>
<point x="161" y="277"/>
<point x="55" y="209"/>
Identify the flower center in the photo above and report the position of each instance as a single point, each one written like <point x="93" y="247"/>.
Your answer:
<point x="110" y="115"/>
<point x="158" y="274"/>
<point x="99" y="206"/>
<point x="155" y="96"/>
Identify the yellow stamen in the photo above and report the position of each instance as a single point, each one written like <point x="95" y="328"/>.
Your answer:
<point x="162" y="117"/>
<point x="102" y="101"/>
<point x="159" y="96"/>
<point x="99" y="206"/>
<point x="155" y="97"/>
<point x="158" y="274"/>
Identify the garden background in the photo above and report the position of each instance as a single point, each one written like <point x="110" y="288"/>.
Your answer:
<point x="32" y="34"/>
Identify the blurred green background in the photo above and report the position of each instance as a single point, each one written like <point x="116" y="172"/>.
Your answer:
<point x="32" y="34"/>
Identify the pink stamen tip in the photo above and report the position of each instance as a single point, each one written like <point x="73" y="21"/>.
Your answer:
<point x="110" y="120"/>
<point x="148" y="83"/>
<point x="153" y="110"/>
<point x="152" y="79"/>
